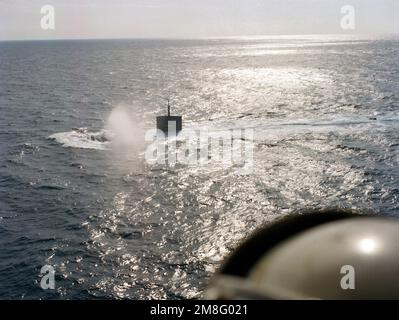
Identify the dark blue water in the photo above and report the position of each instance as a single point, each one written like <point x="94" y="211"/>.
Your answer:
<point x="325" y="115"/>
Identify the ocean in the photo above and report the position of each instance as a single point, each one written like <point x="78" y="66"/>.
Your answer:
<point x="324" y="111"/>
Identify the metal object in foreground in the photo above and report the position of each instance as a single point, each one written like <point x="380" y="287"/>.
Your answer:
<point x="326" y="255"/>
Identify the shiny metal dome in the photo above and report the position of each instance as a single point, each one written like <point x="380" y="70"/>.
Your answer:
<point x="327" y="255"/>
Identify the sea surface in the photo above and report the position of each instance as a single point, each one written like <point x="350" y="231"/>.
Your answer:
<point x="324" y="110"/>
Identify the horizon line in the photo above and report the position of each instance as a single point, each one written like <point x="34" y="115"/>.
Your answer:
<point x="206" y="37"/>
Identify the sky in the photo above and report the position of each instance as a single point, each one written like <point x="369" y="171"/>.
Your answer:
<point x="83" y="19"/>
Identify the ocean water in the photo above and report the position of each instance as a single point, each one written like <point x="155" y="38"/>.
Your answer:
<point x="324" y="111"/>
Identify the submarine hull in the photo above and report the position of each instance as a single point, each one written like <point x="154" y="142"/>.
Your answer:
<point x="166" y="123"/>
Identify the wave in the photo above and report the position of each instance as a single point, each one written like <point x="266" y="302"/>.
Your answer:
<point x="299" y="124"/>
<point x="83" y="139"/>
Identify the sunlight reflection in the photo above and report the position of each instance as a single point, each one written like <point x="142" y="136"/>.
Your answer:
<point x="367" y="245"/>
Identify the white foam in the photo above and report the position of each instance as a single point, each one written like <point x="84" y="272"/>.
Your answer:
<point x="82" y="139"/>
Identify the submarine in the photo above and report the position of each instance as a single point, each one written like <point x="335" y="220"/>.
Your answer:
<point x="170" y="125"/>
